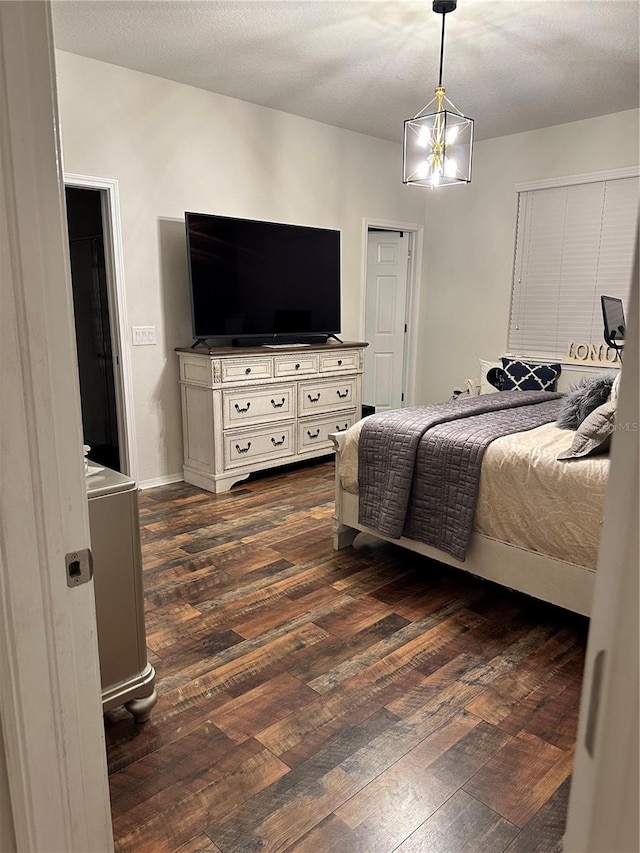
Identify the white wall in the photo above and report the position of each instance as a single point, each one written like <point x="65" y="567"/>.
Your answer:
<point x="174" y="148"/>
<point x="470" y="237"/>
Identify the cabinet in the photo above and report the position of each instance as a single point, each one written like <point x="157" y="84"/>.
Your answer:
<point x="127" y="678"/>
<point x="244" y="410"/>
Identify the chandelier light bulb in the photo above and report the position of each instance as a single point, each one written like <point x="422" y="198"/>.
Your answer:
<point x="452" y="134"/>
<point x="424" y="137"/>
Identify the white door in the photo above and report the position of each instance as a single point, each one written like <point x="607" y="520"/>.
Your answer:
<point x="603" y="806"/>
<point x="53" y="753"/>
<point x="385" y="319"/>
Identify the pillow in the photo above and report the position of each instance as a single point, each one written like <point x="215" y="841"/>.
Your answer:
<point x="495" y="377"/>
<point x="594" y="433"/>
<point x="615" y="388"/>
<point x="485" y="366"/>
<point x="522" y="376"/>
<point x="583" y="398"/>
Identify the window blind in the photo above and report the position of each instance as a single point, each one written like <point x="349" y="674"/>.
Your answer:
<point x="573" y="244"/>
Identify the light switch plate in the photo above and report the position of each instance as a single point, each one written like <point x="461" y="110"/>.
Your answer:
<point x="143" y="336"/>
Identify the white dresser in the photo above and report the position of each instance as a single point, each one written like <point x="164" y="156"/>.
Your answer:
<point x="246" y="409"/>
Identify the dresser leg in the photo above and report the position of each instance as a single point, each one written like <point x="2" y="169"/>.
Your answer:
<point x="216" y="483"/>
<point x="141" y="708"/>
<point x="223" y="482"/>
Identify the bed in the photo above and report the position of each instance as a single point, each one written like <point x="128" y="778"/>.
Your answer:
<point x="535" y="521"/>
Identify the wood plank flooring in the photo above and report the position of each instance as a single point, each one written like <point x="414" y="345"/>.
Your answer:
<point x="362" y="701"/>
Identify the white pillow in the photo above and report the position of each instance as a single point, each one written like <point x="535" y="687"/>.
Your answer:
<point x="615" y="388"/>
<point x="485" y="367"/>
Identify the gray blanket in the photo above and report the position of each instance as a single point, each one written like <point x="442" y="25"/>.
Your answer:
<point x="419" y="467"/>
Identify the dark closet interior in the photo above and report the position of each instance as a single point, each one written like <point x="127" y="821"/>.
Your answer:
<point x="93" y="329"/>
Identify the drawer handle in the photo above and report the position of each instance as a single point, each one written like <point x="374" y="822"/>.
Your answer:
<point x="297" y="367"/>
<point x="314" y="399"/>
<point x="277" y="405"/>
<point x="342" y="429"/>
<point x="277" y="443"/>
<point x="243" y="449"/>
<point x="339" y="362"/>
<point x="315" y="434"/>
<point x="241" y="410"/>
<point x="247" y="370"/>
<point x="342" y="396"/>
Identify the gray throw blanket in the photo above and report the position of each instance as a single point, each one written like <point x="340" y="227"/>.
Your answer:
<point x="419" y="467"/>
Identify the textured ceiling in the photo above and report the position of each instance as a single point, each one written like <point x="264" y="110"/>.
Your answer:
<point x="367" y="65"/>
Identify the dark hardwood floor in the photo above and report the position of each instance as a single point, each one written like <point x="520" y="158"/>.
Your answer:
<point x="362" y="701"/>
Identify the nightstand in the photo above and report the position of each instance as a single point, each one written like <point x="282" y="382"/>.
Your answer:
<point x="127" y="678"/>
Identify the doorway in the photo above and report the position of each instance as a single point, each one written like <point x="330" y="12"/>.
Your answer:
<point x="390" y="315"/>
<point x="93" y="218"/>
<point x="106" y="189"/>
<point x="94" y="340"/>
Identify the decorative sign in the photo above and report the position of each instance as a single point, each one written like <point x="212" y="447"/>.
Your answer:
<point x="591" y="353"/>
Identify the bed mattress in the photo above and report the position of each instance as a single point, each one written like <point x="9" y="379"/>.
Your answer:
<point x="527" y="497"/>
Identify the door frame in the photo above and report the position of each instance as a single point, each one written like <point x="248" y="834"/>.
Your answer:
<point x="414" y="277"/>
<point x="50" y="702"/>
<point x="118" y="322"/>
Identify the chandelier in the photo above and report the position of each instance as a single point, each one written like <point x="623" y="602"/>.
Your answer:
<point x="437" y="146"/>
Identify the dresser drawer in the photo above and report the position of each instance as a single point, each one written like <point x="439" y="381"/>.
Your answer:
<point x="300" y="364"/>
<point x="246" y="369"/>
<point x="259" y="445"/>
<point x="335" y="362"/>
<point x="326" y="395"/>
<point x="313" y="433"/>
<point x="261" y="405"/>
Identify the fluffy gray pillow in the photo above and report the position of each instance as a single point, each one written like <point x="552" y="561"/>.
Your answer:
<point x="594" y="433"/>
<point x="583" y="398"/>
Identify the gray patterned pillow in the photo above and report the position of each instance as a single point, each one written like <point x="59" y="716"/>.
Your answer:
<point x="583" y="398"/>
<point x="594" y="433"/>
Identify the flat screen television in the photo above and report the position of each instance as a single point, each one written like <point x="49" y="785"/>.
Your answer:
<point x="258" y="282"/>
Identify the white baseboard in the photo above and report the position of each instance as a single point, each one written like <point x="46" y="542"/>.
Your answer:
<point x="166" y="480"/>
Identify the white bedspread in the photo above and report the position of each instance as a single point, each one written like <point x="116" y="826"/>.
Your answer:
<point x="526" y="497"/>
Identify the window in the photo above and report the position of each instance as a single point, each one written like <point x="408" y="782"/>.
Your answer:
<point x="573" y="243"/>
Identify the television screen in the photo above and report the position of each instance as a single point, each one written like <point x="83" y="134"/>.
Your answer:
<point x="264" y="280"/>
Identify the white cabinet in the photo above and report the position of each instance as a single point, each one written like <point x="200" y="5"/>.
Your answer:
<point x="127" y="678"/>
<point x="244" y="410"/>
